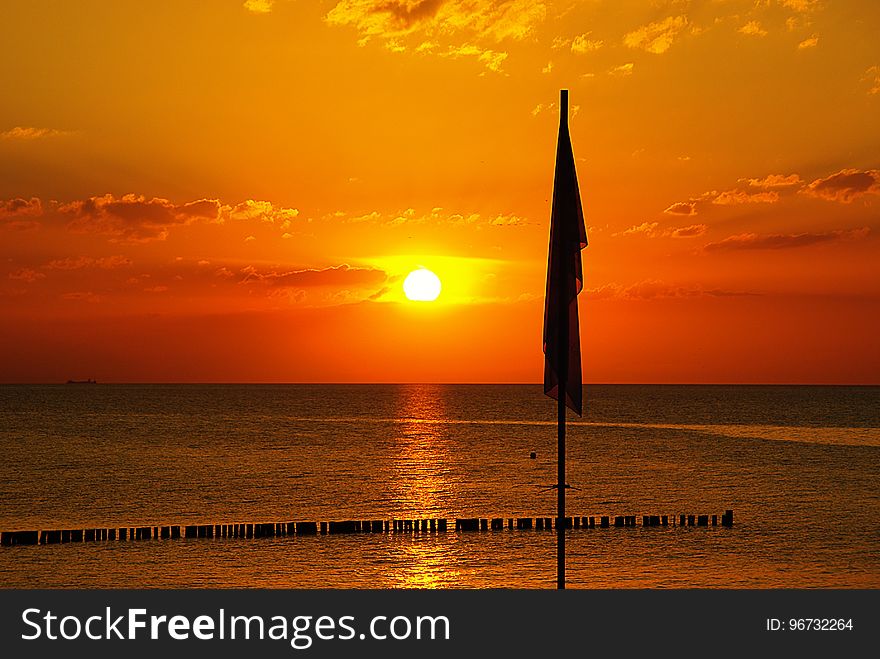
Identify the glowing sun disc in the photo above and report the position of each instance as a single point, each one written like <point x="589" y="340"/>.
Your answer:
<point x="421" y="285"/>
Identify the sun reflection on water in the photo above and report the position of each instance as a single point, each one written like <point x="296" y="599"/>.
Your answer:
<point x="421" y="485"/>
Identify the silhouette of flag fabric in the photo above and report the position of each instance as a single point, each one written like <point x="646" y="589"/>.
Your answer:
<point x="565" y="278"/>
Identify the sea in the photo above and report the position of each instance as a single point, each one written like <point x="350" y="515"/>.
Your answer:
<point x="798" y="465"/>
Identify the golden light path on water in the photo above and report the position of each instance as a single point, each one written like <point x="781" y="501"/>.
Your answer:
<point x="834" y="436"/>
<point x="419" y="481"/>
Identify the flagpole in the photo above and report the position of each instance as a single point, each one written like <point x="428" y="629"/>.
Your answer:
<point x="560" y="474"/>
<point x="562" y="371"/>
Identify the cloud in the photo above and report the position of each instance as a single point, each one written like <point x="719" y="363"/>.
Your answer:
<point x="801" y="6"/>
<point x="652" y="289"/>
<point x="656" y="37"/>
<point x="374" y="216"/>
<point x="264" y="211"/>
<point x="259" y="6"/>
<point x="582" y="45"/>
<point x="774" y="181"/>
<point x="731" y="197"/>
<point x="27" y="275"/>
<point x="338" y="275"/>
<point x="622" y="70"/>
<point x="754" y="29"/>
<point x="736" y="197"/>
<point x="747" y="241"/>
<point x="553" y="107"/>
<point x="380" y="293"/>
<point x="18" y="207"/>
<point x="810" y="42"/>
<point x="104" y="263"/>
<point x="14" y="213"/>
<point x="439" y="217"/>
<point x="688" y="231"/>
<point x="646" y="228"/>
<point x="395" y="46"/>
<point x="134" y="218"/>
<point x="203" y="209"/>
<point x="497" y="21"/>
<point x="508" y="221"/>
<point x="872" y="76"/>
<point x="846" y="185"/>
<point x="82" y="296"/>
<point x="652" y="230"/>
<point x="405" y="217"/>
<point x="491" y="59"/>
<point x="682" y="208"/>
<point x="28" y="133"/>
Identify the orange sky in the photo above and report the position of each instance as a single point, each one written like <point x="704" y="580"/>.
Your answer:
<point x="234" y="191"/>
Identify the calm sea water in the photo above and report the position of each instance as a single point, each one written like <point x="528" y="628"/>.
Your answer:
<point x="799" y="465"/>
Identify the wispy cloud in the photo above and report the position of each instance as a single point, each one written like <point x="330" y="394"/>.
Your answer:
<point x="749" y="241"/>
<point x="736" y="197"/>
<point x="690" y="231"/>
<point x="264" y="211"/>
<point x="18" y="207"/>
<point x="622" y="70"/>
<point x="843" y="186"/>
<point x="29" y="133"/>
<point x="27" y="275"/>
<point x="801" y="6"/>
<point x="259" y="6"/>
<point x="337" y="275"/>
<point x="134" y="218"/>
<point x="440" y="217"/>
<point x="846" y="185"/>
<point x="653" y="230"/>
<point x="810" y="42"/>
<point x="582" y="44"/>
<point x="656" y="37"/>
<point x="774" y="181"/>
<point x="682" y="208"/>
<point x="82" y="296"/>
<point x="497" y="21"/>
<point x="79" y="263"/>
<point x="554" y="108"/>
<point x="491" y="59"/>
<point x="646" y="228"/>
<point x="653" y="289"/>
<point x="872" y="76"/>
<point x="753" y="29"/>
<point x="19" y="214"/>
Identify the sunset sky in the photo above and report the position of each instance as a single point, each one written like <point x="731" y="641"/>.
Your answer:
<point x="234" y="191"/>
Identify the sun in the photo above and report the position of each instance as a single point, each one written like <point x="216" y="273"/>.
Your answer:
<point x="421" y="285"/>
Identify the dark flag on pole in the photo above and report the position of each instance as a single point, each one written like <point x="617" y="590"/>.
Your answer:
<point x="565" y="277"/>
<point x="562" y="341"/>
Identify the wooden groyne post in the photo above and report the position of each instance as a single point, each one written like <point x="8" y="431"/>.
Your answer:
<point x="394" y="526"/>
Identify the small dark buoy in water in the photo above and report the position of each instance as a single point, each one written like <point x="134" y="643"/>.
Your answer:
<point x="533" y="455"/>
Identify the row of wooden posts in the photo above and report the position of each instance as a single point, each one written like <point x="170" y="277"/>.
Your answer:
<point x="436" y="525"/>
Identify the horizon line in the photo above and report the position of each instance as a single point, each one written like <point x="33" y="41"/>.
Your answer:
<point x="448" y="383"/>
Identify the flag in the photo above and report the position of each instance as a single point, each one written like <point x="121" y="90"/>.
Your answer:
<point x="565" y="277"/>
